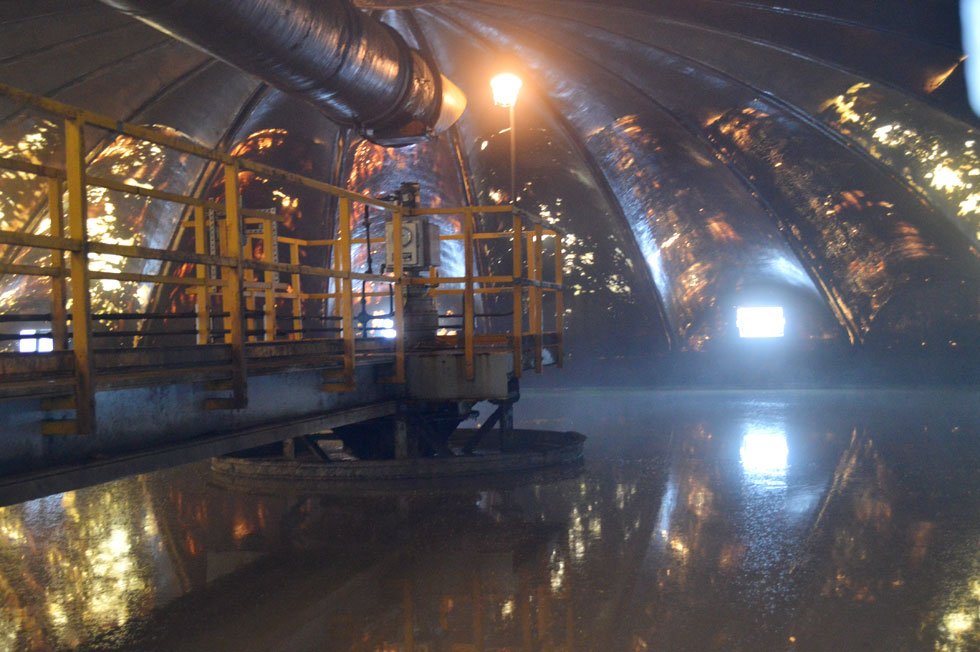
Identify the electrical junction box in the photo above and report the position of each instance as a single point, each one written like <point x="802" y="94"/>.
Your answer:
<point x="420" y="244"/>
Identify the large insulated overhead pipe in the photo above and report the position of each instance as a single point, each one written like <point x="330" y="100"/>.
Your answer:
<point x="355" y="69"/>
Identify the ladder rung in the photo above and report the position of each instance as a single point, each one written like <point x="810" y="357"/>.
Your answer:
<point x="58" y="403"/>
<point x="338" y="387"/>
<point x="63" y="427"/>
<point x="221" y="404"/>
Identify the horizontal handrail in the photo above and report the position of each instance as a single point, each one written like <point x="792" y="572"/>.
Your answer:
<point x="177" y="143"/>
<point x="238" y="298"/>
<point x="42" y="241"/>
<point x="16" y="165"/>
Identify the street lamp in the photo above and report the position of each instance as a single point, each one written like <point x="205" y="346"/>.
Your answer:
<point x="506" y="86"/>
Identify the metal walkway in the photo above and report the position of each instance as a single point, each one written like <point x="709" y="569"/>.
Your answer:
<point x="267" y="343"/>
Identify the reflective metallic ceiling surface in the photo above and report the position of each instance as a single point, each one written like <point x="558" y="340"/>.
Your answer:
<point x="702" y="153"/>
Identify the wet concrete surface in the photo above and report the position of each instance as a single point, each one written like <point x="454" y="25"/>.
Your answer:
<point x="795" y="520"/>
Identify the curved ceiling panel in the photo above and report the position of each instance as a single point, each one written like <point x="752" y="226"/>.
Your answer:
<point x="866" y="38"/>
<point x="932" y="150"/>
<point x="702" y="153"/>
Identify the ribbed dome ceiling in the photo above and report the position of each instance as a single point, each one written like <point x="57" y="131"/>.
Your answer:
<point x="702" y="153"/>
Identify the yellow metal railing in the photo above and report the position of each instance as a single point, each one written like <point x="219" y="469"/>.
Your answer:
<point x="230" y="284"/>
<point x="525" y="277"/>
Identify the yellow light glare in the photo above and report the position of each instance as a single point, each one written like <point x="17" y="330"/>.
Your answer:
<point x="506" y="87"/>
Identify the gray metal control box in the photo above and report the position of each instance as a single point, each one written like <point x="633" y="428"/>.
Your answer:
<point x="420" y="244"/>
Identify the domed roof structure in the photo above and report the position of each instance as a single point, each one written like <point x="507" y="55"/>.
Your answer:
<point x="702" y="154"/>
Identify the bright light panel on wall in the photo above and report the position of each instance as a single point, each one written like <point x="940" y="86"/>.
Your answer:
<point x="30" y="343"/>
<point x="970" y="20"/>
<point x="760" y="321"/>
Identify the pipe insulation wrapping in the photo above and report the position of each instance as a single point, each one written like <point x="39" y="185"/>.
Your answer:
<point x="355" y="69"/>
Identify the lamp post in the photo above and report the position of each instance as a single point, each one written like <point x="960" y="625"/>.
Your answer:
<point x="506" y="86"/>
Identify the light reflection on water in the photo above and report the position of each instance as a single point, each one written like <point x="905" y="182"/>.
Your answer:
<point x="702" y="520"/>
<point x="764" y="455"/>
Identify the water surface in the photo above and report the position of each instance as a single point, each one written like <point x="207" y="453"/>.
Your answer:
<point x="836" y="520"/>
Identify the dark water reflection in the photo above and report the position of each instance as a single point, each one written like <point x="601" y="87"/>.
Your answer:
<point x="701" y="521"/>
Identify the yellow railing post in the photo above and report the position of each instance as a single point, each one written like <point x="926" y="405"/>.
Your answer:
<point x="201" y="272"/>
<point x="232" y="304"/>
<point x="248" y="294"/>
<point x="297" y="333"/>
<point x="343" y="302"/>
<point x="347" y="294"/>
<point x="59" y="317"/>
<point x="518" y="295"/>
<point x="334" y="284"/>
<point x="81" y="300"/>
<point x="270" y="278"/>
<point x="468" y="321"/>
<point x="342" y="260"/>
<point x="399" y="294"/>
<point x="559" y="301"/>
<point x="538" y="327"/>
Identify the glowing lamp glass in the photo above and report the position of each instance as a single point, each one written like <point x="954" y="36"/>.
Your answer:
<point x="505" y="87"/>
<point x="760" y="321"/>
